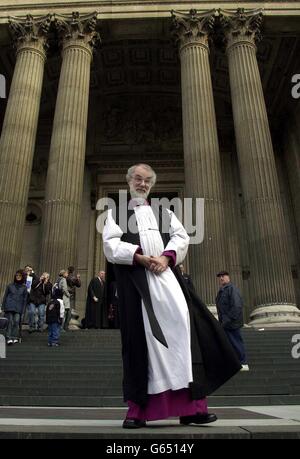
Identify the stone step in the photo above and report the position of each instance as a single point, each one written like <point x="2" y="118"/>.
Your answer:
<point x="115" y="334"/>
<point x="111" y="387"/>
<point x="87" y="371"/>
<point x="116" y="341"/>
<point x="61" y="392"/>
<point x="65" y="400"/>
<point x="84" y="347"/>
<point x="109" y="401"/>
<point x="253" y="400"/>
<point x="62" y="368"/>
<point x="248" y="334"/>
<point x="99" y="377"/>
<point x="90" y="366"/>
<point x="257" y="348"/>
<point x="57" y="354"/>
<point x="255" y="390"/>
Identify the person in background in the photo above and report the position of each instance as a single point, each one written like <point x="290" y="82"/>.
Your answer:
<point x="230" y="313"/>
<point x="54" y="318"/>
<point x="186" y="277"/>
<point x="40" y="290"/>
<point x="14" y="304"/>
<point x="95" y="303"/>
<point x="60" y="291"/>
<point x="73" y="281"/>
<point x="30" y="276"/>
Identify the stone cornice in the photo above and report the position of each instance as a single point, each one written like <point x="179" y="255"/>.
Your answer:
<point x="134" y="9"/>
<point x="77" y="27"/>
<point x="192" y="27"/>
<point x="29" y="30"/>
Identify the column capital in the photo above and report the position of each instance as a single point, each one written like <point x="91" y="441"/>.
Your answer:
<point x="241" y="26"/>
<point x="77" y="29"/>
<point x="192" y="28"/>
<point x="29" y="31"/>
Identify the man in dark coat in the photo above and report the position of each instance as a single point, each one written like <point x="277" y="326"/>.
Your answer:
<point x="230" y="312"/>
<point x="95" y="316"/>
<point x="174" y="351"/>
<point x="186" y="277"/>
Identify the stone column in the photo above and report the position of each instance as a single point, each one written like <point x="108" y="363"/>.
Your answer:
<point x="201" y="150"/>
<point x="18" y="137"/>
<point x="67" y="150"/>
<point x="232" y="213"/>
<point x="270" y="272"/>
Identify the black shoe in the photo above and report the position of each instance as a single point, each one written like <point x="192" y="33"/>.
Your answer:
<point x="198" y="419"/>
<point x="133" y="424"/>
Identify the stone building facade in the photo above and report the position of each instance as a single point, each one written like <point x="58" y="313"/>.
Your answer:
<point x="203" y="92"/>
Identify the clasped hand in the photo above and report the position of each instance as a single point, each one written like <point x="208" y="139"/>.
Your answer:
<point x="155" y="264"/>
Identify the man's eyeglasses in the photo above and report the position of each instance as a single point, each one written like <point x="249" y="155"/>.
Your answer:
<point x="138" y="179"/>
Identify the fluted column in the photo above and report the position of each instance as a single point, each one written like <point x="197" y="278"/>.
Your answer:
<point x="232" y="213"/>
<point x="270" y="272"/>
<point x="18" y="137"/>
<point x="201" y="149"/>
<point x="67" y="150"/>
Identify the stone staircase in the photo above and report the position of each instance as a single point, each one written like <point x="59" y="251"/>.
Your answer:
<point x="86" y="370"/>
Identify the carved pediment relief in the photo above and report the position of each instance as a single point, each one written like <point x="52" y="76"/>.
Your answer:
<point x="141" y="120"/>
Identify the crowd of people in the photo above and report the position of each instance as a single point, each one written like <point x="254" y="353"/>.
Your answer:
<point x="38" y="302"/>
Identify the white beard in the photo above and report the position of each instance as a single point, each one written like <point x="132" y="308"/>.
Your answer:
<point x="137" y="194"/>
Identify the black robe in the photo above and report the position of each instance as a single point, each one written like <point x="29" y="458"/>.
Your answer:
<point x="213" y="358"/>
<point x="113" y="306"/>
<point x="96" y="311"/>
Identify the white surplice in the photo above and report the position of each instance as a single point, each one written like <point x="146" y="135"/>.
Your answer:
<point x="168" y="368"/>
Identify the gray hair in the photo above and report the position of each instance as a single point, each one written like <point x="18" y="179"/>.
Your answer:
<point x="131" y="171"/>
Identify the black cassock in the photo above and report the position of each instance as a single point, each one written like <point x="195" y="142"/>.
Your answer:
<point x="96" y="311"/>
<point x="213" y="359"/>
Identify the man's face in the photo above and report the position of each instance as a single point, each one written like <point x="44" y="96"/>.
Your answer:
<point x="140" y="183"/>
<point x="28" y="270"/>
<point x="223" y="280"/>
<point x="102" y="275"/>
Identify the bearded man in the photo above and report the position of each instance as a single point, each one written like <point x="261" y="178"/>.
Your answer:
<point x="174" y="351"/>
